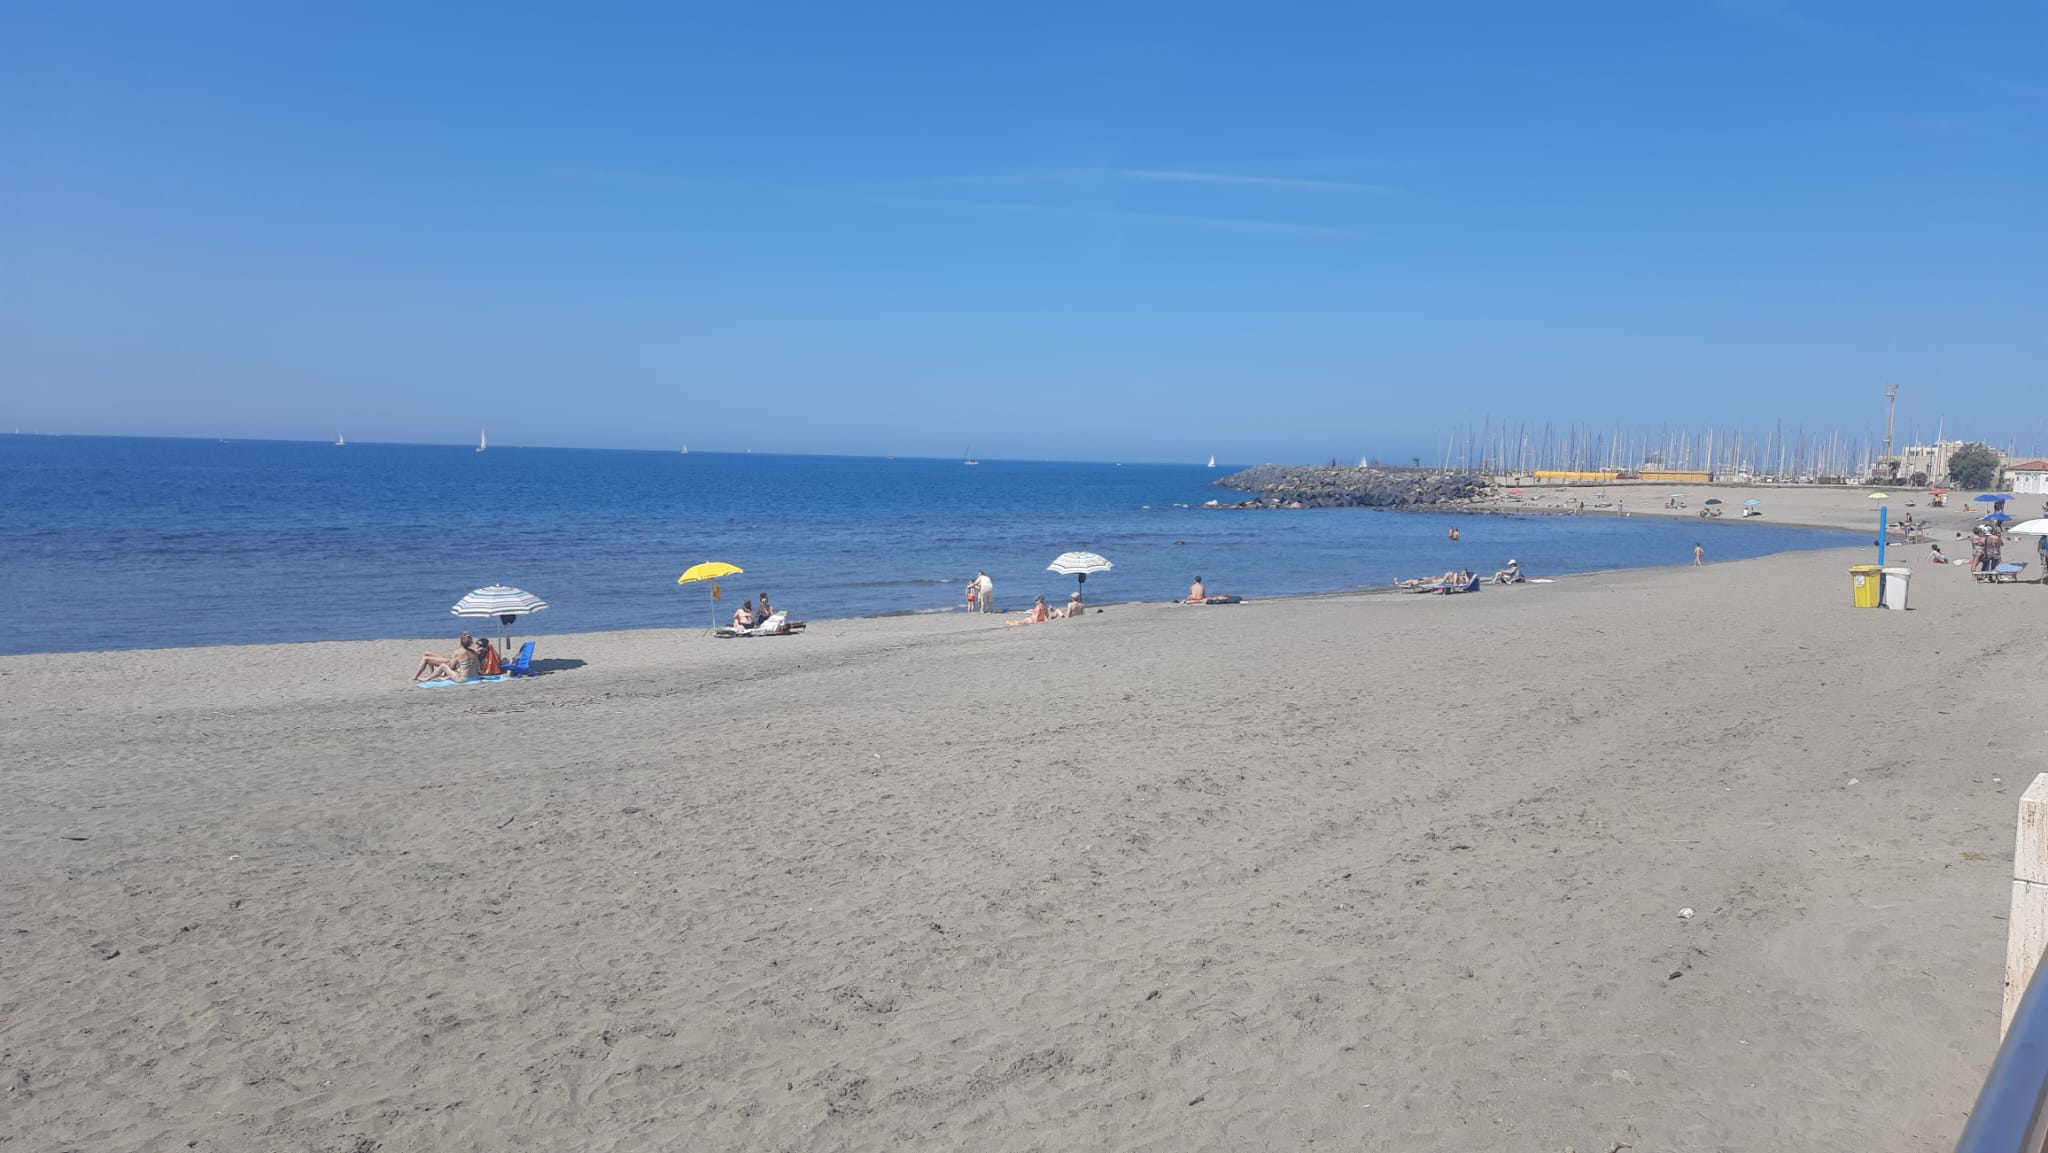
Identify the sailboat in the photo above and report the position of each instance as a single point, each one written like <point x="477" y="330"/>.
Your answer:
<point x="686" y="450"/>
<point x="970" y="458"/>
<point x="481" y="443"/>
<point x="340" y="441"/>
<point x="1212" y="462"/>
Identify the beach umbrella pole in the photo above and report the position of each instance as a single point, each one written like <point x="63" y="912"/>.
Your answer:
<point x="1884" y="518"/>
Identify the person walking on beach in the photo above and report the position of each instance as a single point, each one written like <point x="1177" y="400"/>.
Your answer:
<point x="973" y="587"/>
<point x="1699" y="554"/>
<point x="986" y="588"/>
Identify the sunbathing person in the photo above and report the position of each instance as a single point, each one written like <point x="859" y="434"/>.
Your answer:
<point x="743" y="616"/>
<point x="460" y="666"/>
<point x="488" y="663"/>
<point x="1509" y="575"/>
<point x="1197" y="592"/>
<point x="1039" y="613"/>
<point x="1074" y="606"/>
<point x="1450" y="577"/>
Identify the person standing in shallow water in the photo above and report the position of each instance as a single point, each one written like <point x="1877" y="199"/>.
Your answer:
<point x="1699" y="555"/>
<point x="1454" y="532"/>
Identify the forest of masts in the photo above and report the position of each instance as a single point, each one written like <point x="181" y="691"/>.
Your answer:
<point x="1518" y="449"/>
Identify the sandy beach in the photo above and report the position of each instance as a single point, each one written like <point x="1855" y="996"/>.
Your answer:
<point x="1380" y="872"/>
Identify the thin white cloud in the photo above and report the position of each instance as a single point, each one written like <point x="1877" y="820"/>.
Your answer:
<point x="1022" y="208"/>
<point x="629" y="176"/>
<point x="1198" y="176"/>
<point x="1107" y="176"/>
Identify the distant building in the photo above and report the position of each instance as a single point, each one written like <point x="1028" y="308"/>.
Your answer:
<point x="2029" y="476"/>
<point x="1931" y="459"/>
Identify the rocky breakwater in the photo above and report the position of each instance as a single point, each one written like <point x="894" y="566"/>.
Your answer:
<point x="1325" y="486"/>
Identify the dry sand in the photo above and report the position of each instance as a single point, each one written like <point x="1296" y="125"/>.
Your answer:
<point x="1387" y="872"/>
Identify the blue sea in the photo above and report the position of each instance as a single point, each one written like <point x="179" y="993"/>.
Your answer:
<point x="110" y="543"/>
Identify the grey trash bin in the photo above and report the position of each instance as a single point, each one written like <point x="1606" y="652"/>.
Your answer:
<point x="1896" y="581"/>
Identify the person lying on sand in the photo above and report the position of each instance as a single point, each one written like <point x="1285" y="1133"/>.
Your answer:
<point x="459" y="667"/>
<point x="1450" y="577"/>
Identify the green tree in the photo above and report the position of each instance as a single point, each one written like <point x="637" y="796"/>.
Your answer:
<point x="1920" y="479"/>
<point x="1974" y="466"/>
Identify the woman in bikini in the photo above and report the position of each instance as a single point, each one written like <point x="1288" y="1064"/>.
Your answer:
<point x="459" y="667"/>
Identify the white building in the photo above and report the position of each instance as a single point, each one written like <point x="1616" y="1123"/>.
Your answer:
<point x="1931" y="459"/>
<point x="2027" y="476"/>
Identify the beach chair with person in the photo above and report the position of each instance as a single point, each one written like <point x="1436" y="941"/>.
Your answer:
<point x="2004" y="574"/>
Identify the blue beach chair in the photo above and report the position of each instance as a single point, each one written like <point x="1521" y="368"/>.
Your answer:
<point x="523" y="667"/>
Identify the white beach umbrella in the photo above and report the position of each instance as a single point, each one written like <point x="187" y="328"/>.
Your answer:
<point x="502" y="601"/>
<point x="1079" y="564"/>
<point x="2035" y="527"/>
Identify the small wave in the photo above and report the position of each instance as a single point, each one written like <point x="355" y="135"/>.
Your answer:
<point x="905" y="583"/>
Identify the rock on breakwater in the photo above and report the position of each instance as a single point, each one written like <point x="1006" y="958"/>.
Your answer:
<point x="1326" y="486"/>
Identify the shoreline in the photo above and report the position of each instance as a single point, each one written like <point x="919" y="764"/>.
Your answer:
<point x="482" y="627"/>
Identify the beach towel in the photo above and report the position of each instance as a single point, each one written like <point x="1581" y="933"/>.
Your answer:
<point x="1224" y="601"/>
<point x="444" y="684"/>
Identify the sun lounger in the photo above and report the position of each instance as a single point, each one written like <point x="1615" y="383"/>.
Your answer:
<point x="775" y="626"/>
<point x="1470" y="586"/>
<point x="2005" y="574"/>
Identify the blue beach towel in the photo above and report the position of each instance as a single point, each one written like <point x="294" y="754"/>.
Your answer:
<point x="443" y="684"/>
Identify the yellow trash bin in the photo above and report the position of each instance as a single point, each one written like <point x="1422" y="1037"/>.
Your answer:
<point x="1867" y="584"/>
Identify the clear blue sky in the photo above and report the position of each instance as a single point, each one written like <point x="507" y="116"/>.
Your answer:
<point x="1077" y="230"/>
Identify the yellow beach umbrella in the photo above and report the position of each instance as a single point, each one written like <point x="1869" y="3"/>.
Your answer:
<point x="710" y="570"/>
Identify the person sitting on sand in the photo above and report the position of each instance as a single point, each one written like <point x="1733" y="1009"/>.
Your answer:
<point x="1197" y="592"/>
<point x="1509" y="575"/>
<point x="1940" y="557"/>
<point x="1039" y="613"/>
<point x="488" y="663"/>
<point x="460" y="666"/>
<point x="743" y="616"/>
<point x="1074" y="607"/>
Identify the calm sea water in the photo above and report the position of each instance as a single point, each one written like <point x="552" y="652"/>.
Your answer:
<point x="129" y="543"/>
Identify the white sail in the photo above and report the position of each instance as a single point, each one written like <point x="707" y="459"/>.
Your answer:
<point x="340" y="440"/>
<point x="481" y="443"/>
<point x="1212" y="462"/>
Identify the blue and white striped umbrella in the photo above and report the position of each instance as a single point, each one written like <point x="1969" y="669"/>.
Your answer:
<point x="498" y="601"/>
<point x="1079" y="565"/>
<point x="502" y="601"/>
